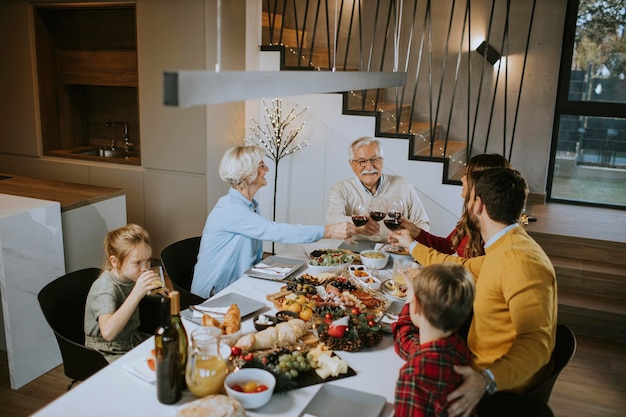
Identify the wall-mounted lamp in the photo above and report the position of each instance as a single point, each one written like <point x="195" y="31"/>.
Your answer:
<point x="489" y="52"/>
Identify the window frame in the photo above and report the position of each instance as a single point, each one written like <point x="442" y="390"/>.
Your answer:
<point x="566" y="107"/>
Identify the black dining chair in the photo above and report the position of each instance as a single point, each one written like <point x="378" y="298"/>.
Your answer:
<point x="505" y="403"/>
<point x="179" y="260"/>
<point x="62" y="302"/>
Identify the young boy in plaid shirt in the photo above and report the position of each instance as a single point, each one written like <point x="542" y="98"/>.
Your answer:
<point x="439" y="299"/>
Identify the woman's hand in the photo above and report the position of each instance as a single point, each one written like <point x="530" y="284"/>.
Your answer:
<point x="413" y="229"/>
<point x="401" y="236"/>
<point x="466" y="397"/>
<point x="343" y="230"/>
<point x="370" y="228"/>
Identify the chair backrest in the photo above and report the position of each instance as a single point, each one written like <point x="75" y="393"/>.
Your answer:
<point x="179" y="260"/>
<point x="62" y="302"/>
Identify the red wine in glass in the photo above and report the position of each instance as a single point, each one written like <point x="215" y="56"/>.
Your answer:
<point x="359" y="220"/>
<point x="377" y="215"/>
<point x="393" y="223"/>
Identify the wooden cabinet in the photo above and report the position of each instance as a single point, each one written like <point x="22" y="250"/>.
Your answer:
<point x="87" y="76"/>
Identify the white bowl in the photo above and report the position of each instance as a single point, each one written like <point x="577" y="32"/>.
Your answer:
<point x="371" y="282"/>
<point x="358" y="272"/>
<point x="371" y="262"/>
<point x="254" y="399"/>
<point x="318" y="269"/>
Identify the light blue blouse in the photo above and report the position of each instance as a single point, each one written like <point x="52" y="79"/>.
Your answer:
<point x="232" y="241"/>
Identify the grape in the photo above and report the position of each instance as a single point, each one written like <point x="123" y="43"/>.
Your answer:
<point x="288" y="364"/>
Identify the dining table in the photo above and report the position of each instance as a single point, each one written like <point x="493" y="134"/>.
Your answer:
<point x="116" y="391"/>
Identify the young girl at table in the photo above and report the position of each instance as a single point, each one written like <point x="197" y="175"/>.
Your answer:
<point x="111" y="313"/>
<point x="439" y="298"/>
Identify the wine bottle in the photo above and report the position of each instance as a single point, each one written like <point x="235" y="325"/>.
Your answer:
<point x="166" y="345"/>
<point x="183" y="341"/>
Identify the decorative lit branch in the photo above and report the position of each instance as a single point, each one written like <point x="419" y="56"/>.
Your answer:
<point x="273" y="136"/>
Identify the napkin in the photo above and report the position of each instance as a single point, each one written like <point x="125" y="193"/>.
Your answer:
<point x="208" y="310"/>
<point x="274" y="269"/>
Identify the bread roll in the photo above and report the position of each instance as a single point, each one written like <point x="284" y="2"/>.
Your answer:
<point x="232" y="319"/>
<point x="210" y="321"/>
<point x="283" y="334"/>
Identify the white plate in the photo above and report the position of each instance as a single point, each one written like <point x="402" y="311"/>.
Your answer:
<point x="246" y="305"/>
<point x="293" y="265"/>
<point x="140" y="369"/>
<point x="333" y="401"/>
<point x="389" y="292"/>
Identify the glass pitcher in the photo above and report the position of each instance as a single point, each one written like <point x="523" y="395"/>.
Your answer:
<point x="206" y="366"/>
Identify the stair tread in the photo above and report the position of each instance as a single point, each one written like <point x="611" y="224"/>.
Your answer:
<point x="592" y="302"/>
<point x="583" y="265"/>
<point x="451" y="148"/>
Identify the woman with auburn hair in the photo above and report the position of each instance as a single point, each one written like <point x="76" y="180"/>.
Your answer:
<point x="465" y="239"/>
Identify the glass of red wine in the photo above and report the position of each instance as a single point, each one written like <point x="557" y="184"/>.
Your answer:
<point x="378" y="211"/>
<point x="359" y="218"/>
<point x="395" y="209"/>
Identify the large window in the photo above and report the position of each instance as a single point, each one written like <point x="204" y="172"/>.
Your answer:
<point x="588" y="161"/>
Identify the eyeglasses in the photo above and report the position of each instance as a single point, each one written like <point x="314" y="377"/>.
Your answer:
<point x="363" y="162"/>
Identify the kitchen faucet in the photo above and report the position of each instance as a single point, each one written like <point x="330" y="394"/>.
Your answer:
<point x="127" y="143"/>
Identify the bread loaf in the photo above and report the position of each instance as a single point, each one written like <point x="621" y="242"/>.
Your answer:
<point x="212" y="405"/>
<point x="283" y="334"/>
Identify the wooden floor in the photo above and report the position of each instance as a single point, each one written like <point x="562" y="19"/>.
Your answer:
<point x="592" y="385"/>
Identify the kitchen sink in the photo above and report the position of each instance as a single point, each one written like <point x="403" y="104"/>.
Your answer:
<point x="102" y="152"/>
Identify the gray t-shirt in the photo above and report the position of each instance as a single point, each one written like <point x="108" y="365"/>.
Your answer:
<point x="106" y="295"/>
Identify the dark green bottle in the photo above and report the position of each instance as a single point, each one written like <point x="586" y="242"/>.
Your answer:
<point x="183" y="342"/>
<point x="167" y="353"/>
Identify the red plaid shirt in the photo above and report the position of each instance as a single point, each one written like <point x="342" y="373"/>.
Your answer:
<point x="427" y="378"/>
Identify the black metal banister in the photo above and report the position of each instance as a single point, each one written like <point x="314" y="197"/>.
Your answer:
<point x="424" y="40"/>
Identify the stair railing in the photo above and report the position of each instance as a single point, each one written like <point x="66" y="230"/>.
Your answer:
<point x="373" y="25"/>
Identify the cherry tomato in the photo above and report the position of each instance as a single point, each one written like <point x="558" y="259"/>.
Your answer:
<point x="151" y="360"/>
<point x="250" y="386"/>
<point x="235" y="351"/>
<point x="261" y="388"/>
<point x="237" y="388"/>
<point x="355" y="311"/>
<point x="337" y="331"/>
<point x="248" y="356"/>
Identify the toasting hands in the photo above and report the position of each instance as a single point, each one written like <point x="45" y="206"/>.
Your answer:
<point x="401" y="236"/>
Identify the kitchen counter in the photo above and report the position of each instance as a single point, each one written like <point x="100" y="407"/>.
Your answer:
<point x="69" y="195"/>
<point x="47" y="229"/>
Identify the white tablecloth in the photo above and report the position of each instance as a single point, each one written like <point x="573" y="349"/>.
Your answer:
<point x="114" y="391"/>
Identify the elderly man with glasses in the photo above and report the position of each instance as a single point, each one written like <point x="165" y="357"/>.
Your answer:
<point x="366" y="161"/>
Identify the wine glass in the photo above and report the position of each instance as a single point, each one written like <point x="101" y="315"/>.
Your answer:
<point x="395" y="209"/>
<point x="378" y="211"/>
<point x="359" y="218"/>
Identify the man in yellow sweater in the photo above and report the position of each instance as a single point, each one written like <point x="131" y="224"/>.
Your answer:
<point x="513" y="330"/>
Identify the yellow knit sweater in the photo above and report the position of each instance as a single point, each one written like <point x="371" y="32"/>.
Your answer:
<point x="515" y="309"/>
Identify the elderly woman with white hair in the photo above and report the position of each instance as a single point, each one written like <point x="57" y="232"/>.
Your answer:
<point x="232" y="239"/>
